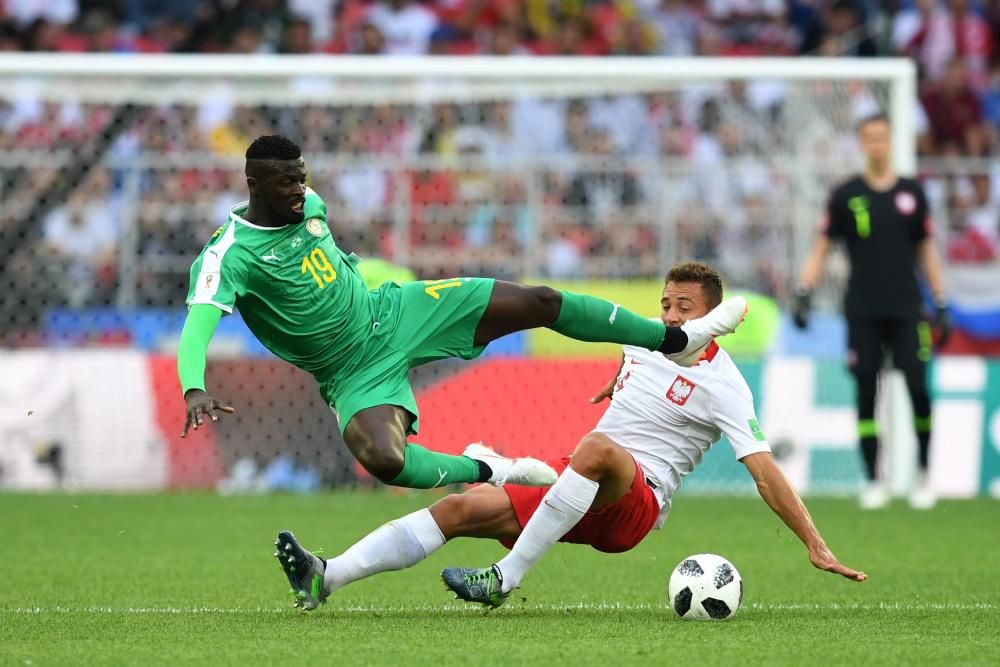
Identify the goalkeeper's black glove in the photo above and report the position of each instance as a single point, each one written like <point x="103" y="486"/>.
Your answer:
<point x="942" y="321"/>
<point x="800" y="307"/>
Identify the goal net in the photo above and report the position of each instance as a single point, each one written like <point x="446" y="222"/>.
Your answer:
<point x="596" y="174"/>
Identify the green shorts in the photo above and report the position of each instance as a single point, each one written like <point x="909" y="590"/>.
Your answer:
<point x="415" y="323"/>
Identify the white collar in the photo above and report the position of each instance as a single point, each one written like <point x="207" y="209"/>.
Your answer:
<point x="246" y="204"/>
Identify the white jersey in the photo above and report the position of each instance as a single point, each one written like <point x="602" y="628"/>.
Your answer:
<point x="668" y="416"/>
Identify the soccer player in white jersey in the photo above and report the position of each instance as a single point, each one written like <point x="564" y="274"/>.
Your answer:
<point x="612" y="492"/>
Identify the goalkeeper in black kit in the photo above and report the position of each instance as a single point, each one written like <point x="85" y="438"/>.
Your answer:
<point x="883" y="221"/>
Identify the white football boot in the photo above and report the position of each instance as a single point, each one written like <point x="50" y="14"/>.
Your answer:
<point x="524" y="472"/>
<point x="721" y="320"/>
<point x="922" y="495"/>
<point x="874" y="496"/>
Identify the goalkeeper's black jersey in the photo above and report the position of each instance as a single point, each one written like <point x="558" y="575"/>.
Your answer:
<point x="881" y="230"/>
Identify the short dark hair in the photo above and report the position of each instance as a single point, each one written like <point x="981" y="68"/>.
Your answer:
<point x="273" y="147"/>
<point x="877" y="117"/>
<point x="702" y="273"/>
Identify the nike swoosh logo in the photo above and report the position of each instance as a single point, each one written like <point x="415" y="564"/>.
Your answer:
<point x="614" y="314"/>
<point x="554" y="508"/>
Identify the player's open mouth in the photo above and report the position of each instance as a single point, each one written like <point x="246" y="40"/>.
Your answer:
<point x="298" y="206"/>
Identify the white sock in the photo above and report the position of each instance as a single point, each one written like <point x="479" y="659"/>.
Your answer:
<point x="561" y="509"/>
<point x="396" y="545"/>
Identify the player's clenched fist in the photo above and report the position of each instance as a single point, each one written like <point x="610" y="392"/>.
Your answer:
<point x="198" y="405"/>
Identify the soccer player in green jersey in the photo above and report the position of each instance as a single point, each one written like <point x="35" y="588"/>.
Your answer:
<point x="304" y="299"/>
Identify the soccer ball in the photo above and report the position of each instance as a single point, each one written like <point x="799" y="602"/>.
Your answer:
<point x="705" y="587"/>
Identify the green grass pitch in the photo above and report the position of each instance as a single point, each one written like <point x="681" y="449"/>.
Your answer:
<point x="189" y="579"/>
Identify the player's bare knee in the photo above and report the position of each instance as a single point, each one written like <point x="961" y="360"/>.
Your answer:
<point x="382" y="461"/>
<point x="593" y="456"/>
<point x="451" y="514"/>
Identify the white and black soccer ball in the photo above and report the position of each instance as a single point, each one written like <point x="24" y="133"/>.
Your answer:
<point x="705" y="587"/>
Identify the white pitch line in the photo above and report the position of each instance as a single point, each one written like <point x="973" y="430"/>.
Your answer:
<point x="451" y="608"/>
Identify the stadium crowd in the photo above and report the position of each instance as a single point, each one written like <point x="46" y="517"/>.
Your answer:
<point x="604" y="170"/>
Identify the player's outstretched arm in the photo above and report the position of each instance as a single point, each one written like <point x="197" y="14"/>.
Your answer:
<point x="930" y="261"/>
<point x="812" y="269"/>
<point x="786" y="503"/>
<point x="811" y="272"/>
<point x="199" y="326"/>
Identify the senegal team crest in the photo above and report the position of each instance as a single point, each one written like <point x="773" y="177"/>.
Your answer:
<point x="680" y="390"/>
<point x="315" y="227"/>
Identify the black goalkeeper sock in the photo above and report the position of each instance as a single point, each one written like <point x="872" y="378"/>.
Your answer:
<point x="869" y="451"/>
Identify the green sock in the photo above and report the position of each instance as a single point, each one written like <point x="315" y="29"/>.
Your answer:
<point x="424" y="469"/>
<point x="596" y="320"/>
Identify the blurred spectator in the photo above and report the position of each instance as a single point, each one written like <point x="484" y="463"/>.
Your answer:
<point x="805" y="25"/>
<point x="298" y="37"/>
<point x="632" y="38"/>
<point x="711" y="40"/>
<point x="370" y="42"/>
<point x="571" y="37"/>
<point x="82" y="236"/>
<point x="438" y="133"/>
<point x="565" y="249"/>
<point x="142" y="14"/>
<point x="432" y="198"/>
<point x="910" y="28"/>
<point x="245" y="38"/>
<point x="360" y="190"/>
<point x="676" y="23"/>
<point x="320" y="15"/>
<point x="955" y="112"/>
<point x="537" y="124"/>
<point x="499" y="123"/>
<point x="602" y="192"/>
<point x="319" y="128"/>
<point x="975" y="222"/>
<point x="26" y="12"/>
<point x="507" y="219"/>
<point x="467" y="17"/>
<point x="406" y="25"/>
<point x="751" y="27"/>
<point x="577" y="127"/>
<point x="935" y="34"/>
<point x="44" y="35"/>
<point x="471" y="148"/>
<point x="844" y="33"/>
<point x="103" y="35"/>
<point x="626" y="119"/>
<point x="165" y="35"/>
<point x="268" y="18"/>
<point x="10" y="37"/>
<point x="991" y="103"/>
<point x="505" y="40"/>
<point x="732" y="182"/>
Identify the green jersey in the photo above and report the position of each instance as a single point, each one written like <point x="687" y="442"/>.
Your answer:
<point x="298" y="293"/>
